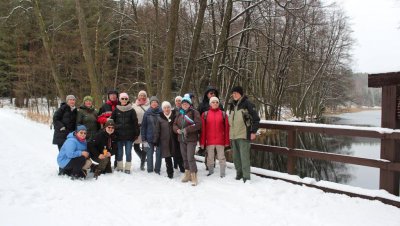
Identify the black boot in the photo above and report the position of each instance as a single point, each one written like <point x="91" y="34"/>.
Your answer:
<point x="142" y="160"/>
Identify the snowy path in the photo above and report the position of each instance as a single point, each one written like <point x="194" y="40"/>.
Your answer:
<point x="31" y="193"/>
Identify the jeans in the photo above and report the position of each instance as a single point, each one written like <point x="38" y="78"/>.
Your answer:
<point x="150" y="152"/>
<point x="128" y="150"/>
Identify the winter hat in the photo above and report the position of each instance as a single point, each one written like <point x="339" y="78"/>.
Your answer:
<point x="80" y="127"/>
<point x="237" y="89"/>
<point x="70" y="97"/>
<point x="123" y="95"/>
<point x="214" y="99"/>
<point x="178" y="98"/>
<point x="87" y="98"/>
<point x="154" y="98"/>
<point x="142" y="92"/>
<point x="187" y="99"/>
<point x="109" y="122"/>
<point x="112" y="92"/>
<point x="165" y="104"/>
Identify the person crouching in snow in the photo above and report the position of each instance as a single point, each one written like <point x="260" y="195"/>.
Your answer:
<point x="102" y="147"/>
<point x="73" y="158"/>
<point x="187" y="125"/>
<point x="215" y="135"/>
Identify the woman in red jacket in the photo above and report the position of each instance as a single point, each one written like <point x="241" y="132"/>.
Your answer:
<point x="215" y="135"/>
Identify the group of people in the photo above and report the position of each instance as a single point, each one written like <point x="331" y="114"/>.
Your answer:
<point x="84" y="135"/>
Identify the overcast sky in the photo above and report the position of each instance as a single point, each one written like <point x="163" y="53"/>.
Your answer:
<point x="376" y="26"/>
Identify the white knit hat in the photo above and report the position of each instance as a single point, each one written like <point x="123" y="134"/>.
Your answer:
<point x="178" y="98"/>
<point x="165" y="104"/>
<point x="142" y="92"/>
<point x="123" y="95"/>
<point x="214" y="99"/>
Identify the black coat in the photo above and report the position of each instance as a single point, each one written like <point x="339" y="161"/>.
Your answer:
<point x="102" y="139"/>
<point x="126" y="123"/>
<point x="205" y="104"/>
<point x="168" y="140"/>
<point x="63" y="118"/>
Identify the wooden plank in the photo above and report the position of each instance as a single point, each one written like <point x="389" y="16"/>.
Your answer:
<point x="292" y="160"/>
<point x="329" y="157"/>
<point x="333" y="131"/>
<point x="384" y="79"/>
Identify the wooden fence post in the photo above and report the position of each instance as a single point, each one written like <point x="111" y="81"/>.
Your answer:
<point x="292" y="160"/>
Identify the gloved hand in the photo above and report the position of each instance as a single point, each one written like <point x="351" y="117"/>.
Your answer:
<point x="146" y="144"/>
<point x="62" y="128"/>
<point x="227" y="148"/>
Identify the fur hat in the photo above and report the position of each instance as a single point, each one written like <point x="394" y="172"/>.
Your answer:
<point x="237" y="89"/>
<point x="87" y="98"/>
<point x="81" y="127"/>
<point x="154" y="98"/>
<point x="165" y="104"/>
<point x="214" y="99"/>
<point x="142" y="92"/>
<point x="178" y="98"/>
<point x="70" y="97"/>
<point x="123" y="95"/>
<point x="109" y="122"/>
<point x="187" y="99"/>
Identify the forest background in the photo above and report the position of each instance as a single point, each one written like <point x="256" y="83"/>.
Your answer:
<point x="286" y="54"/>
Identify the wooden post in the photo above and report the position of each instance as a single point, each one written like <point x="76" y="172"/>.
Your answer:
<point x="389" y="180"/>
<point x="390" y="149"/>
<point x="291" y="143"/>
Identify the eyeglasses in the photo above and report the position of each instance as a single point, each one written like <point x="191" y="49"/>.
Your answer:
<point x="124" y="98"/>
<point x="110" y="127"/>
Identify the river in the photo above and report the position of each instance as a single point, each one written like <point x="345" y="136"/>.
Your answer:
<point x="360" y="176"/>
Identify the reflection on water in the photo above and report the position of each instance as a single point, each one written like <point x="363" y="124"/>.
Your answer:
<point x="365" y="177"/>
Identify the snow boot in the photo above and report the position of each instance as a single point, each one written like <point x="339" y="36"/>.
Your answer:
<point x="222" y="172"/>
<point x="194" y="179"/>
<point x="238" y="176"/>
<point x="128" y="167"/>
<point x="210" y="170"/>
<point x="120" y="166"/>
<point x="186" y="177"/>
<point x="97" y="173"/>
<point x="87" y="165"/>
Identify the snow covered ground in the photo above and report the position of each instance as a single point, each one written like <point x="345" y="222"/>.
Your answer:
<point x="31" y="193"/>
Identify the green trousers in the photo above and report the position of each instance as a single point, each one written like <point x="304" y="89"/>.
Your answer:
<point x="241" y="157"/>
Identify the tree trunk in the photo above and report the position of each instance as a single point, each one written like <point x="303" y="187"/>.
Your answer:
<point x="166" y="91"/>
<point x="49" y="53"/>
<point x="87" y="54"/>
<point x="221" y="43"/>
<point x="193" y="49"/>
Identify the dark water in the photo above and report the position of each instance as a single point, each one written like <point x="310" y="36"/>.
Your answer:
<point x="360" y="176"/>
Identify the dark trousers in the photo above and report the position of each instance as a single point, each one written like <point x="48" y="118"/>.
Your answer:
<point x="178" y="161"/>
<point x="170" y="169"/>
<point x="74" y="167"/>
<point x="140" y="152"/>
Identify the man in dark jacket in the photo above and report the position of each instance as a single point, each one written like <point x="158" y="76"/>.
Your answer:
<point x="205" y="104"/>
<point x="243" y="122"/>
<point x="64" y="120"/>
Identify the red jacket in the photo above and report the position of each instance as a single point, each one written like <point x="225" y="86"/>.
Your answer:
<point x="214" y="131"/>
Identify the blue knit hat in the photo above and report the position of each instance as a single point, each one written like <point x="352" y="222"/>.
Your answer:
<point x="187" y="99"/>
<point x="80" y="127"/>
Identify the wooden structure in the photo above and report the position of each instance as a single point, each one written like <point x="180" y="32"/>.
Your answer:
<point x="390" y="149"/>
<point x="386" y="135"/>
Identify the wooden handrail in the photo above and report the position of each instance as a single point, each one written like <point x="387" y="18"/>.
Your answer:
<point x="293" y="153"/>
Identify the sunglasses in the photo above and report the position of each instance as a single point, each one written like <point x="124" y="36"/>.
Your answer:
<point x="110" y="127"/>
<point x="124" y="98"/>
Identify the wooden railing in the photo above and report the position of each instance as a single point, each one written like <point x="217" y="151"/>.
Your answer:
<point x="293" y="153"/>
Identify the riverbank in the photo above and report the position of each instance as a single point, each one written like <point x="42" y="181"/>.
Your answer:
<point x="352" y="109"/>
